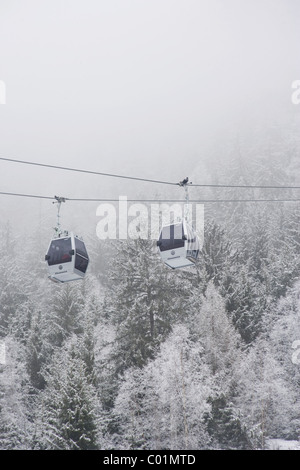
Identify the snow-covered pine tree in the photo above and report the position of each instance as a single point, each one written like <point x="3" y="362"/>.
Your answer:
<point x="68" y="413"/>
<point x="222" y="351"/>
<point x="144" y="300"/>
<point x="264" y="395"/>
<point x="14" y="282"/>
<point x="221" y="342"/>
<point x="217" y="253"/>
<point x="163" y="405"/>
<point x="16" y="425"/>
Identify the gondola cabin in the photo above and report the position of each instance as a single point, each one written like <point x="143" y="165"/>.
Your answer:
<point x="67" y="259"/>
<point x="178" y="245"/>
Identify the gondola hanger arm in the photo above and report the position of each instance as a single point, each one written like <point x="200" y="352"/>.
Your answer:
<point x="58" y="200"/>
<point x="185" y="182"/>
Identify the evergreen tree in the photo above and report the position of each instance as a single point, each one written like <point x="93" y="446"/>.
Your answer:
<point x="145" y="298"/>
<point x="215" y="331"/>
<point x="14" y="282"/>
<point x="36" y="354"/>
<point x="225" y="427"/>
<point x="68" y="415"/>
<point x="65" y="313"/>
<point x="217" y="252"/>
<point x="163" y="405"/>
<point x="223" y="353"/>
<point x="246" y="301"/>
<point x="15" y="412"/>
<point x="78" y="409"/>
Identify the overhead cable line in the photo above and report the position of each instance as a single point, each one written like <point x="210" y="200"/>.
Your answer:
<point x="243" y="186"/>
<point x="56" y="167"/>
<point x="26" y="195"/>
<point x="55" y="198"/>
<point x="148" y="180"/>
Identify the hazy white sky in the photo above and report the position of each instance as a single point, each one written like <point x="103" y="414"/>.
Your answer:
<point x="135" y="86"/>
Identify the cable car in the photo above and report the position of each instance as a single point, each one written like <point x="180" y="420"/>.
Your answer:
<point x="67" y="258"/>
<point x="178" y="245"/>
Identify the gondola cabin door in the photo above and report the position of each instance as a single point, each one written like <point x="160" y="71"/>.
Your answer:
<point x="178" y="245"/>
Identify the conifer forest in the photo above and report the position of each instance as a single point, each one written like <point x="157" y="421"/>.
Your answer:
<point x="138" y="356"/>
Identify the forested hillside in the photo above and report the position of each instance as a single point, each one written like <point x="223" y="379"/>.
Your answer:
<point x="138" y="356"/>
<point x="113" y="104"/>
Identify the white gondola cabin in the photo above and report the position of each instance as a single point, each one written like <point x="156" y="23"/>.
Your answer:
<point x="178" y="245"/>
<point x="67" y="259"/>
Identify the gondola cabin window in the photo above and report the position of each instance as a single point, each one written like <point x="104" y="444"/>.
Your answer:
<point x="81" y="259"/>
<point x="171" y="237"/>
<point x="60" y="251"/>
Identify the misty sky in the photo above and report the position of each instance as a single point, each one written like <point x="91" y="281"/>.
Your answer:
<point x="139" y="87"/>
